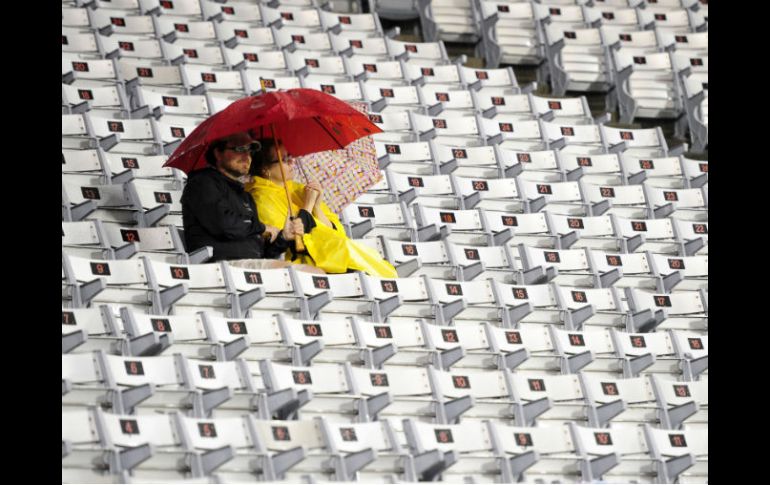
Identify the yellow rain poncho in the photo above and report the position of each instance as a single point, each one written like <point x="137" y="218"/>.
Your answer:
<point x="327" y="248"/>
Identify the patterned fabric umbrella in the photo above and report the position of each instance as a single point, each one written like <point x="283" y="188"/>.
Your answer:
<point x="344" y="174"/>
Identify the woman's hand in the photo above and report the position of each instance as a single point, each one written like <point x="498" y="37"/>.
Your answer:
<point x="293" y="228"/>
<point x="312" y="195"/>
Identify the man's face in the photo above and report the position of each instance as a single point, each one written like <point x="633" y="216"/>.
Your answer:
<point x="234" y="159"/>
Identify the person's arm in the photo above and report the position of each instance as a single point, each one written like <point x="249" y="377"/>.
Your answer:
<point x="316" y="207"/>
<point x="209" y="205"/>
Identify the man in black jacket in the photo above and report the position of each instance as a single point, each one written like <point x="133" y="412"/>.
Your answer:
<point x="217" y="212"/>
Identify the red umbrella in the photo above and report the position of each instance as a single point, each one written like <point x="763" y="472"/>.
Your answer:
<point x="306" y="121"/>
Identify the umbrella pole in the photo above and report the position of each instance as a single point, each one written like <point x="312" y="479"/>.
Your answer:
<point x="299" y="245"/>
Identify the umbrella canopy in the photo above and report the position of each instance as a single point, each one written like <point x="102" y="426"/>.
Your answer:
<point x="344" y="174"/>
<point x="305" y="120"/>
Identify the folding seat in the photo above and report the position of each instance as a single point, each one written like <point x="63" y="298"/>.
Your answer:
<point x="593" y="168"/>
<point x="124" y="135"/>
<point x="322" y="389"/>
<point x="543" y="453"/>
<point x="415" y="158"/>
<point x="386" y="98"/>
<point x="413" y="297"/>
<point x="547" y="399"/>
<point x="512" y="134"/>
<point x="505" y="103"/>
<point x="647" y="353"/>
<point x="160" y="105"/>
<point x="429" y="190"/>
<point x="680" y="455"/>
<point x="293" y="450"/>
<point x="132" y="47"/>
<point x="647" y="142"/>
<point x="398" y="49"/>
<point x="155" y="201"/>
<point x="588" y="351"/>
<point x="368" y="451"/>
<point x="558" y="197"/>
<point x="455" y="452"/>
<point x="627" y="201"/>
<point x="291" y="16"/>
<point x="172" y="28"/>
<point x="148" y="335"/>
<point x="681" y="273"/>
<point x="193" y="51"/>
<point x="420" y="73"/>
<point x="619" y="402"/>
<point x="347" y="22"/>
<point x="449" y="20"/>
<point x="681" y="403"/>
<point x="186" y="8"/>
<point x="123" y="167"/>
<point x="526" y="348"/>
<point x="74" y="67"/>
<point x="665" y="19"/>
<point x="85" y="239"/>
<point x="448" y="99"/>
<point x="577" y="59"/>
<point x="225" y="446"/>
<point x="584" y="139"/>
<point x="613" y="15"/>
<point x="205" y="79"/>
<point x="446" y="129"/>
<point x="684" y="43"/>
<point x="340" y="89"/>
<point x="478" y="79"/>
<point x="74" y="17"/>
<point x="83" y="162"/>
<point x="460" y="226"/>
<point x="565" y="14"/>
<point x="693" y="235"/>
<point x="631" y="38"/>
<point x="255" y="57"/>
<point x="258" y="81"/>
<point x="107" y="100"/>
<point x="418" y="258"/>
<point x="396" y="126"/>
<point x="90" y="282"/>
<point x="74" y="40"/>
<point x="594" y="232"/>
<point x="335" y="295"/>
<point x="654" y="235"/>
<point x="83" y="379"/>
<point x="393" y="221"/>
<point x="368" y="64"/>
<point x="510" y="34"/>
<point x="581" y="307"/>
<point x="622" y="270"/>
<point x="496" y="261"/>
<point x="81" y="447"/>
<point x="237" y="12"/>
<point x="238" y="33"/>
<point x="324" y="68"/>
<point x="150" y="73"/>
<point x="695" y="95"/>
<point x="616" y="455"/>
<point x="292" y="39"/>
<point x="689" y="204"/>
<point x="466" y="161"/>
<point x="87" y="196"/>
<point x="563" y="110"/>
<point x="646" y="86"/>
<point x="263" y="292"/>
<point x="378" y="193"/>
<point x="684" y="310"/>
<point x="572" y="266"/>
<point x="114" y="21"/>
<point x="656" y="171"/>
<point x="463" y="300"/>
<point x="537" y="165"/>
<point x="87" y="329"/>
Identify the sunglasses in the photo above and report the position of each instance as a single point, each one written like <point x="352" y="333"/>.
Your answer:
<point x="245" y="148"/>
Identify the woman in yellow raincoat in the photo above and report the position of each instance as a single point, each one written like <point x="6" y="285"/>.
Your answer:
<point x="327" y="245"/>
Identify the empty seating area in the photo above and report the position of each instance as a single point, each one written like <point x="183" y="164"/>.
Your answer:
<point x="549" y="320"/>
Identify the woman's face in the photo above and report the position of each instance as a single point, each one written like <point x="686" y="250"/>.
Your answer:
<point x="274" y="170"/>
